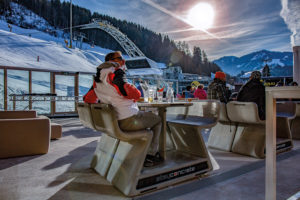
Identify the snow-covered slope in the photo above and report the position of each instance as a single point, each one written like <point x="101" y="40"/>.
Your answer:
<point x="280" y="63"/>
<point x="21" y="47"/>
<point x="41" y="46"/>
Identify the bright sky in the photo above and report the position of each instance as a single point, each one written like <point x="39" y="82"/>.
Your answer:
<point x="239" y="26"/>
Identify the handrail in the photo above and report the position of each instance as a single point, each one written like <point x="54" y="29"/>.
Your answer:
<point x="33" y="97"/>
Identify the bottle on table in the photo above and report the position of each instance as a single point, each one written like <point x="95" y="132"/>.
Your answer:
<point x="170" y="93"/>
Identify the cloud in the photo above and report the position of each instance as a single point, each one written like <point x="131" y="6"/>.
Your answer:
<point x="291" y="14"/>
<point x="174" y="15"/>
<point x="243" y="26"/>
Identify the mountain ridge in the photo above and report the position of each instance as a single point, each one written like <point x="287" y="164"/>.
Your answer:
<point x="280" y="63"/>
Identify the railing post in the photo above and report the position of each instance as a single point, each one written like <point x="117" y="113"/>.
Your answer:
<point x="76" y="82"/>
<point x="14" y="102"/>
<point x="5" y="89"/>
<point x="30" y="89"/>
<point x="270" y="182"/>
<point x="52" y="89"/>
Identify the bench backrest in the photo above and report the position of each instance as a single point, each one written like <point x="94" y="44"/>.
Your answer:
<point x="177" y="112"/>
<point x="243" y="112"/>
<point x="17" y="114"/>
<point x="286" y="108"/>
<point x="223" y="117"/>
<point x="205" y="108"/>
<point x="298" y="108"/>
<point x="105" y="120"/>
<point x="85" y="115"/>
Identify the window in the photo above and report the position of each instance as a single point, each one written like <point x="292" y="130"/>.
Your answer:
<point x="17" y="83"/>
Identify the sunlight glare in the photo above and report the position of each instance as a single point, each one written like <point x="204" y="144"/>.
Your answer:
<point x="201" y="16"/>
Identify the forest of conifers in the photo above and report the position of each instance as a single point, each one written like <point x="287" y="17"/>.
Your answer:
<point x="155" y="46"/>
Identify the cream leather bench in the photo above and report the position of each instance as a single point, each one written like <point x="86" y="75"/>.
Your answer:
<point x="285" y="113"/>
<point x="56" y="131"/>
<point x="185" y="126"/>
<point x="221" y="136"/>
<point x="295" y="123"/>
<point x="23" y="133"/>
<point x="119" y="156"/>
<point x="250" y="134"/>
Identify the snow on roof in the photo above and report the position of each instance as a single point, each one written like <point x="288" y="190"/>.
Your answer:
<point x="154" y="70"/>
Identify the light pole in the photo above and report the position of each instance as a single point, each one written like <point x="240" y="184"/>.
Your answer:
<point x="70" y="23"/>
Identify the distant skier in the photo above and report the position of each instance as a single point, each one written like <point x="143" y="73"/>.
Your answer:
<point x="10" y="27"/>
<point x="67" y="43"/>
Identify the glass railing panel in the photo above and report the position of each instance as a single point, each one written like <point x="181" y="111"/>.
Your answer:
<point x="85" y="83"/>
<point x="17" y="83"/>
<point x="41" y="87"/>
<point x="64" y="88"/>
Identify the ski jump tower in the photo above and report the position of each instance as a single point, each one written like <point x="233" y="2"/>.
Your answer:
<point x="130" y="48"/>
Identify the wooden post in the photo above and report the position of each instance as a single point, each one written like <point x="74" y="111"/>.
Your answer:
<point x="52" y="90"/>
<point x="270" y="185"/>
<point x="76" y="88"/>
<point x="30" y="89"/>
<point x="14" y="102"/>
<point x="5" y="89"/>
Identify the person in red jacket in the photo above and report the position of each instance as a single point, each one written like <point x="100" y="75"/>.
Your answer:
<point x="112" y="88"/>
<point x="200" y="93"/>
<point x="90" y="96"/>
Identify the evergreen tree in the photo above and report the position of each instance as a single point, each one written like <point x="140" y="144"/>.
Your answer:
<point x="266" y="71"/>
<point x="204" y="57"/>
<point x="4" y="6"/>
<point x="197" y="56"/>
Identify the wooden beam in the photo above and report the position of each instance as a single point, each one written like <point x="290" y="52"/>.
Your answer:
<point x="76" y="88"/>
<point x="30" y="89"/>
<point x="52" y="90"/>
<point x="270" y="170"/>
<point x="5" y="89"/>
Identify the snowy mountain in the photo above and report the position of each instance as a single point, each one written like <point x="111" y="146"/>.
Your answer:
<point x="280" y="63"/>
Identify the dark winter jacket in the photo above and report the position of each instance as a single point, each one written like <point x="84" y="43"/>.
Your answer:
<point x="254" y="91"/>
<point x="217" y="90"/>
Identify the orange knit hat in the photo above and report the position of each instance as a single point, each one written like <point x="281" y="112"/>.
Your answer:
<point x="220" y="75"/>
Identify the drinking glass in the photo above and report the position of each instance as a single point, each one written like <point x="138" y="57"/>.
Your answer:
<point x="151" y="94"/>
<point x="160" y="96"/>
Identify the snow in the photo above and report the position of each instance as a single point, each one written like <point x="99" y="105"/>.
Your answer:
<point x="23" y="47"/>
<point x="246" y="75"/>
<point x="276" y="62"/>
<point x="22" y="16"/>
<point x="19" y="49"/>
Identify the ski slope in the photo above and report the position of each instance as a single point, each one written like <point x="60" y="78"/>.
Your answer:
<point x="21" y="47"/>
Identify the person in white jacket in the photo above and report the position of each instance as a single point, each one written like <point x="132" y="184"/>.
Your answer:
<point x="112" y="88"/>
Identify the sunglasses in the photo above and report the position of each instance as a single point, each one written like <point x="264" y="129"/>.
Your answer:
<point x="117" y="58"/>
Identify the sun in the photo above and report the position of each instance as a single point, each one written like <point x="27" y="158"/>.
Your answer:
<point x="201" y="16"/>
